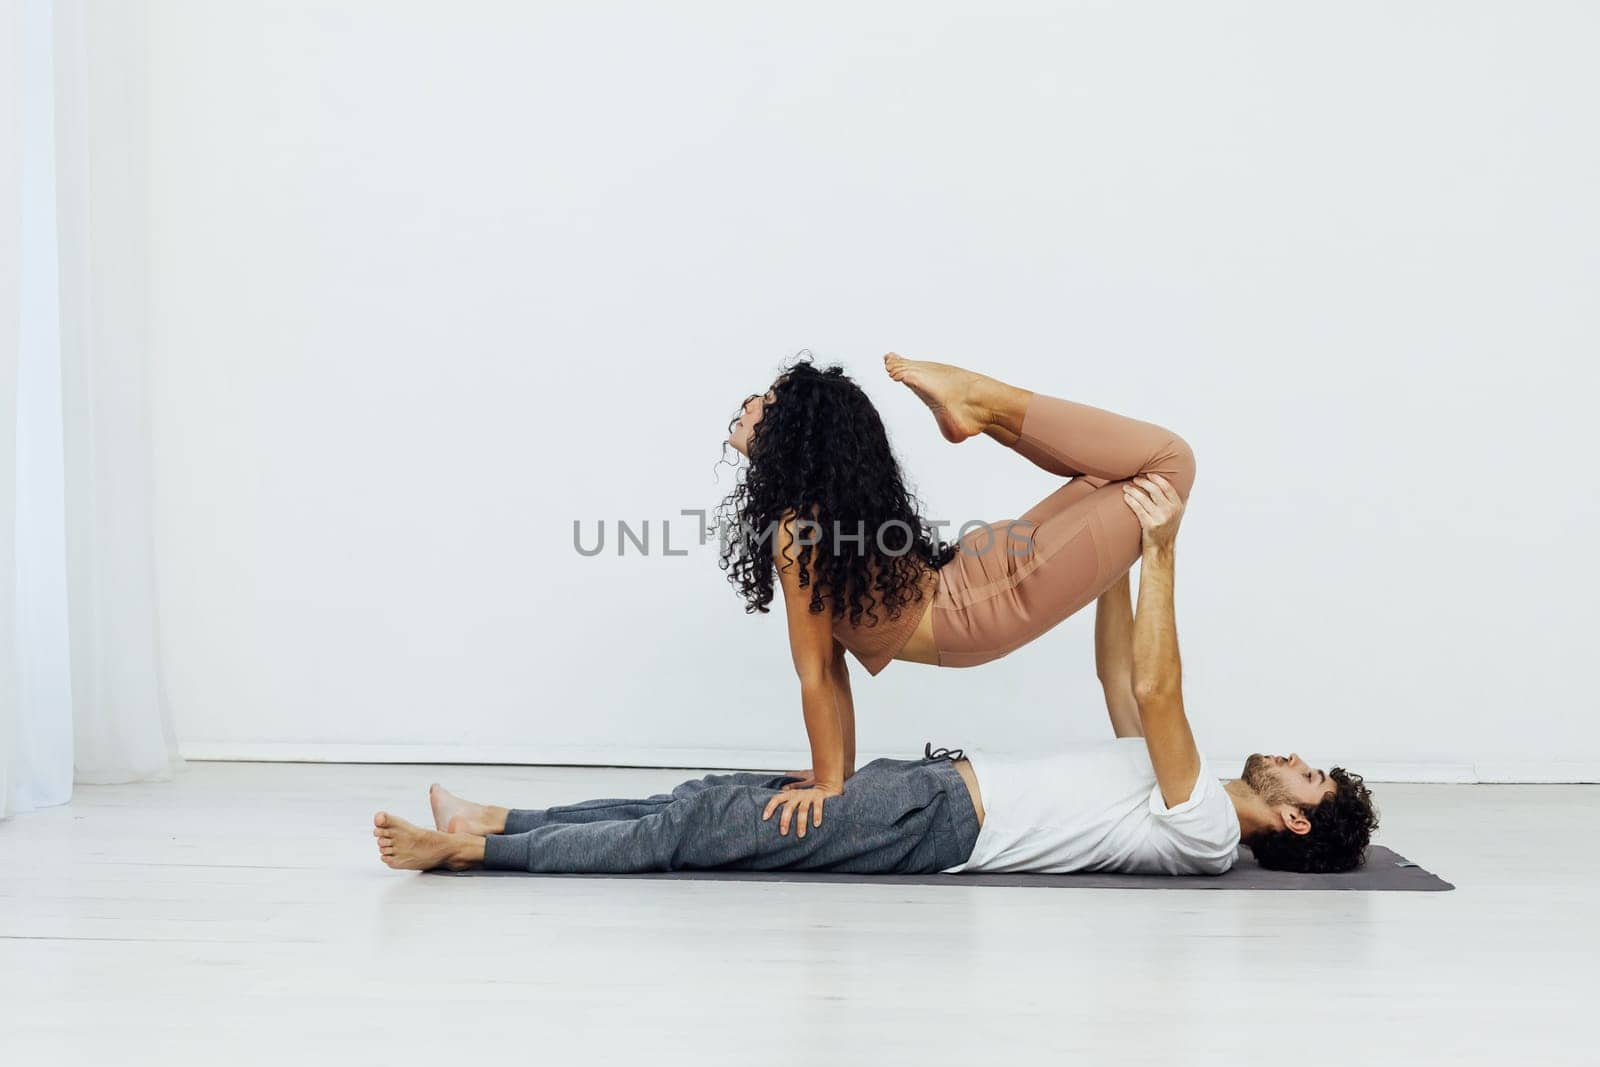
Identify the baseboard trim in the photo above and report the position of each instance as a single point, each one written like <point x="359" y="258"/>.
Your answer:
<point x="504" y="755"/>
<point x="1551" y="772"/>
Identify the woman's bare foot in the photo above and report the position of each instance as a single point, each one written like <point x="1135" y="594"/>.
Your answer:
<point x="454" y="815"/>
<point x="953" y="394"/>
<point x="411" y="848"/>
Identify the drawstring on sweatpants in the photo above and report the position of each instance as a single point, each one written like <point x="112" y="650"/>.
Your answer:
<point x="951" y="754"/>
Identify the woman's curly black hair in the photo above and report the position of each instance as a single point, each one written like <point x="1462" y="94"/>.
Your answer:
<point x="1341" y="826"/>
<point x="820" y="451"/>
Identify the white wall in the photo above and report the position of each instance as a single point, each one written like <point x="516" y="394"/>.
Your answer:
<point x="431" y="281"/>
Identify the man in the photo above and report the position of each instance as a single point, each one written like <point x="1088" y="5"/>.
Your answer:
<point x="1143" y="802"/>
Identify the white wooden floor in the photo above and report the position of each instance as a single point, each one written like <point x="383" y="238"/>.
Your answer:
<point x="240" y="914"/>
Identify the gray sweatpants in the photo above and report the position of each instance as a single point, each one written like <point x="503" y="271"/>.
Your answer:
<point x="894" y="817"/>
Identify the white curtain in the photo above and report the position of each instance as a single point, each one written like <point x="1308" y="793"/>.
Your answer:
<point x="80" y="680"/>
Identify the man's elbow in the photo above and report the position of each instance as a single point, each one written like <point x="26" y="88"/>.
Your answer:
<point x="1113" y="675"/>
<point x="1155" y="689"/>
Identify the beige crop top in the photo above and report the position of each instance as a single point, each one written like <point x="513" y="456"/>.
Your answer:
<point x="874" y="645"/>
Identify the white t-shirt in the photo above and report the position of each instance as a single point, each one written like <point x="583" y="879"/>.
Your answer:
<point x="1097" y="806"/>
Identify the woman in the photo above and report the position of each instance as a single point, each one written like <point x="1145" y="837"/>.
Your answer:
<point x="824" y="507"/>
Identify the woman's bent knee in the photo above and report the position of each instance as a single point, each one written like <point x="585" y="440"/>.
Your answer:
<point x="1176" y="464"/>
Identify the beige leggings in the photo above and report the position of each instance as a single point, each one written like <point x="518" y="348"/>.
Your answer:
<point x="1017" y="578"/>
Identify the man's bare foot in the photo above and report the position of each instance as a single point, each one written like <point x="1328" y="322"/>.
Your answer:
<point x="455" y="815"/>
<point x="951" y="393"/>
<point x="411" y="848"/>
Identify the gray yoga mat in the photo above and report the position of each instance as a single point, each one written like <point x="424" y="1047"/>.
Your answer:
<point x="1384" y="870"/>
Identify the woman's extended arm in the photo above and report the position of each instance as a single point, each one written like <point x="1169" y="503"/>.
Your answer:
<point x="847" y="707"/>
<point x="847" y="721"/>
<point x="811" y="646"/>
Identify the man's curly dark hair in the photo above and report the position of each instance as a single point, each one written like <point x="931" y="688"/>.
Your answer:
<point x="1341" y="827"/>
<point x="820" y="450"/>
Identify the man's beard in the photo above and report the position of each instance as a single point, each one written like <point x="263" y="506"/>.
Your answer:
<point x="1258" y="776"/>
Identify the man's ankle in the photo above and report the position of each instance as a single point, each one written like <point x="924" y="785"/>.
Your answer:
<point x="467" y="851"/>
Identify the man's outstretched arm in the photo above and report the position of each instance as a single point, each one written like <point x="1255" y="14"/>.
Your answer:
<point x="1113" y="657"/>
<point x="1157" y="672"/>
